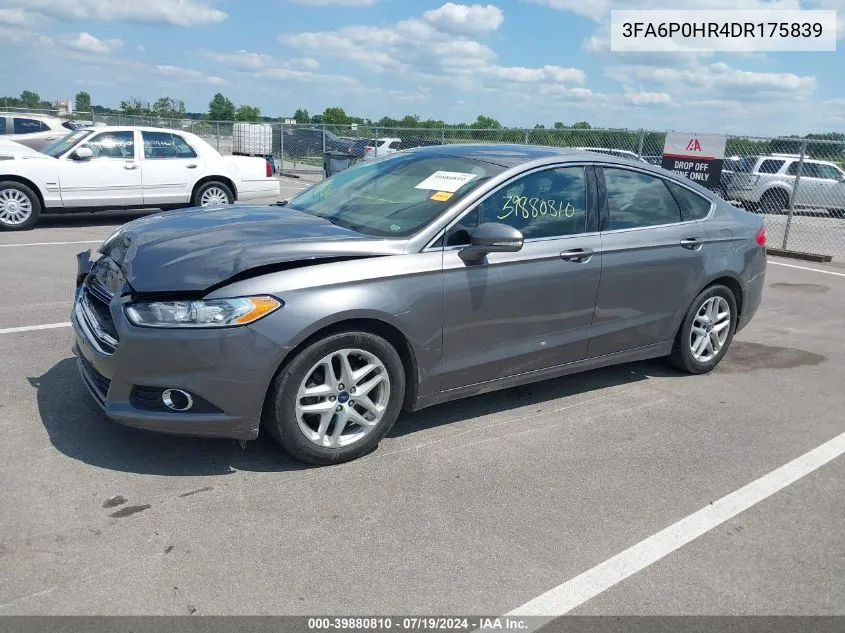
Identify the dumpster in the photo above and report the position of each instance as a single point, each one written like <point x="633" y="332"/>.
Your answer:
<point x="335" y="162"/>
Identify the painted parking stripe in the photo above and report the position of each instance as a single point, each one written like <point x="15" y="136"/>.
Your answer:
<point x="30" y="328"/>
<point x="815" y="270"/>
<point x="49" y="243"/>
<point x="575" y="592"/>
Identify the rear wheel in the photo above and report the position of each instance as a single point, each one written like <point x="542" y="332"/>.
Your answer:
<point x="337" y="399"/>
<point x="20" y="207"/>
<point x="706" y="332"/>
<point x="213" y="194"/>
<point x="774" y="201"/>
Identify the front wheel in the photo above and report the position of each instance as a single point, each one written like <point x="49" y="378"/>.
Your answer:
<point x="19" y="206"/>
<point x="706" y="332"/>
<point x="337" y="399"/>
<point x="213" y="194"/>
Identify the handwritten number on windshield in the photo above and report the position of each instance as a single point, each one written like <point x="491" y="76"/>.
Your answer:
<point x="524" y="207"/>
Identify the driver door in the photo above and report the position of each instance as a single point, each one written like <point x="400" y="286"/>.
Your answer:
<point x="110" y="178"/>
<point x="514" y="313"/>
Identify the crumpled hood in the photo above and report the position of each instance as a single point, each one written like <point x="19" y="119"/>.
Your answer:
<point x="193" y="249"/>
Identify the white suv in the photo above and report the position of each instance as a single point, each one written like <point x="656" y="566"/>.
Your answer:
<point x="34" y="130"/>
<point x="768" y="183"/>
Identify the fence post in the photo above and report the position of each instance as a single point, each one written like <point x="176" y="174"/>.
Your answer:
<point x="217" y="134"/>
<point x="794" y="193"/>
<point x="281" y="147"/>
<point x="526" y="136"/>
<point x="640" y="148"/>
<point x="324" y="138"/>
<point x="443" y="135"/>
<point x="375" y="134"/>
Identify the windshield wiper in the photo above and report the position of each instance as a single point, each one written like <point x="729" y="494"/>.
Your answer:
<point x="279" y="203"/>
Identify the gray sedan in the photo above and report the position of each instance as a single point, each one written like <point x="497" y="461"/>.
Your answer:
<point x="423" y="277"/>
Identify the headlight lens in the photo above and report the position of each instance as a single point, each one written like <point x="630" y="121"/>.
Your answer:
<point x="211" y="313"/>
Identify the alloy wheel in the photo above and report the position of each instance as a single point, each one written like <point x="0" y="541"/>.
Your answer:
<point x="710" y="329"/>
<point x="343" y="398"/>
<point x="15" y="207"/>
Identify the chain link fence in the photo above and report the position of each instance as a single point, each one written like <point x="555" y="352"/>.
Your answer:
<point x="797" y="183"/>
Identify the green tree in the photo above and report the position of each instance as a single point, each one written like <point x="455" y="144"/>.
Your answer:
<point x="559" y="125"/>
<point x="30" y="99"/>
<point x="82" y="103"/>
<point x="247" y="113"/>
<point x="135" y="107"/>
<point x="221" y="108"/>
<point x="335" y="116"/>
<point x="486" y="123"/>
<point x="301" y="116"/>
<point x="168" y="108"/>
<point x="582" y="125"/>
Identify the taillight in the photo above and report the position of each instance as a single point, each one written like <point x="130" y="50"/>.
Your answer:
<point x="761" y="236"/>
<point x="268" y="170"/>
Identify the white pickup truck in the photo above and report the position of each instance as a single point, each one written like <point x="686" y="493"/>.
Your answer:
<point x="125" y="168"/>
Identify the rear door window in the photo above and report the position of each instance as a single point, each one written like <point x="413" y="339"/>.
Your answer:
<point x="693" y="206"/>
<point x="635" y="200"/>
<point x="2" y="125"/>
<point x="770" y="166"/>
<point x="29" y="126"/>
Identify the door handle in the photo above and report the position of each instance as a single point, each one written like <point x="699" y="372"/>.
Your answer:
<point x="192" y="166"/>
<point x="130" y="166"/>
<point x="692" y="243"/>
<point x="579" y="255"/>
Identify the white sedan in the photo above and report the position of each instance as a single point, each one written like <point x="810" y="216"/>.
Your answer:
<point x="126" y="168"/>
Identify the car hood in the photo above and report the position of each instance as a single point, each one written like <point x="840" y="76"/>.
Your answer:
<point x="193" y="250"/>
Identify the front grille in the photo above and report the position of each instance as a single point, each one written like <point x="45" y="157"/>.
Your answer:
<point x="99" y="384"/>
<point x="93" y="312"/>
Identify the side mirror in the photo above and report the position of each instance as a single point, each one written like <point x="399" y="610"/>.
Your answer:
<point x="491" y="237"/>
<point x="83" y="153"/>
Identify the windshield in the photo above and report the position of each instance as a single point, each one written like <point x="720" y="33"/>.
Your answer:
<point x="395" y="196"/>
<point x="60" y="146"/>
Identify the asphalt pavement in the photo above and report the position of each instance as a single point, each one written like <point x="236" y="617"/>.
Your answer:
<point x="478" y="506"/>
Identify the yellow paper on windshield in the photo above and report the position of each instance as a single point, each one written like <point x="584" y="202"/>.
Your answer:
<point x="441" y="196"/>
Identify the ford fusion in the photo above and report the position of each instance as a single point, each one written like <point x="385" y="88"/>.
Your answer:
<point x="426" y="276"/>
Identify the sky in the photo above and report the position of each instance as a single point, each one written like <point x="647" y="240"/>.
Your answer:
<point x="522" y="62"/>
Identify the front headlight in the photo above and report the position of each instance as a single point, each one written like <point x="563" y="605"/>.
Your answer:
<point x="210" y="313"/>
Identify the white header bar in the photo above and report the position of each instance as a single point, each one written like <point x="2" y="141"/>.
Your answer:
<point x="681" y="30"/>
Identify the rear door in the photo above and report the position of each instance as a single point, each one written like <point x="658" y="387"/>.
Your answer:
<point x="514" y="313"/>
<point x="653" y="260"/>
<point x="169" y="168"/>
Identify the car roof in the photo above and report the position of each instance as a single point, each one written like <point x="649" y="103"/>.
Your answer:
<point x="502" y="154"/>
<point x="28" y="115"/>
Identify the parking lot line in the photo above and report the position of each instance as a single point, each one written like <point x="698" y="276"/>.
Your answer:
<point x="815" y="270"/>
<point x="575" y="592"/>
<point x="49" y="243"/>
<point x="29" y="328"/>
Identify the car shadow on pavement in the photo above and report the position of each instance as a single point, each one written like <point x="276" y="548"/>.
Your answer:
<point x="84" y="219"/>
<point x="532" y="394"/>
<point x="79" y="430"/>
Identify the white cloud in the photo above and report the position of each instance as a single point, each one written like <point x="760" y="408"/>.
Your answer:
<point x="648" y="98"/>
<point x="142" y="48"/>
<point x="188" y="74"/>
<point x="433" y="49"/>
<point x="16" y="36"/>
<point x="250" y="62"/>
<point x="88" y="43"/>
<point x="337" y="3"/>
<point x="214" y="80"/>
<point x="465" y="19"/>
<point x="19" y="17"/>
<point x="718" y="80"/>
<point x="176" y="12"/>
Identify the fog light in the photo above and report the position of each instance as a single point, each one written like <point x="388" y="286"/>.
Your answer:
<point x="177" y="400"/>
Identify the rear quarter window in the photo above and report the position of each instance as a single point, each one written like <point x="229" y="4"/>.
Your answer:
<point x="693" y="206"/>
<point x="29" y="126"/>
<point x="770" y="166"/>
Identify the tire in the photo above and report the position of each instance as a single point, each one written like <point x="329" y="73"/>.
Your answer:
<point x="219" y="190"/>
<point x="774" y="201"/>
<point x="288" y="424"/>
<point x="682" y="356"/>
<point x="16" y="201"/>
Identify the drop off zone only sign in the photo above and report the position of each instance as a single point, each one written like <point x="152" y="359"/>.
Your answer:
<point x="699" y="157"/>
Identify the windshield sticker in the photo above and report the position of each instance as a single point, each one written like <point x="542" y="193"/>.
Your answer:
<point x="447" y="181"/>
<point x="441" y="196"/>
<point x="395" y="227"/>
<point x="524" y="207"/>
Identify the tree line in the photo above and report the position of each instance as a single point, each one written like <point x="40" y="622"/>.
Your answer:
<point x="222" y="108"/>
